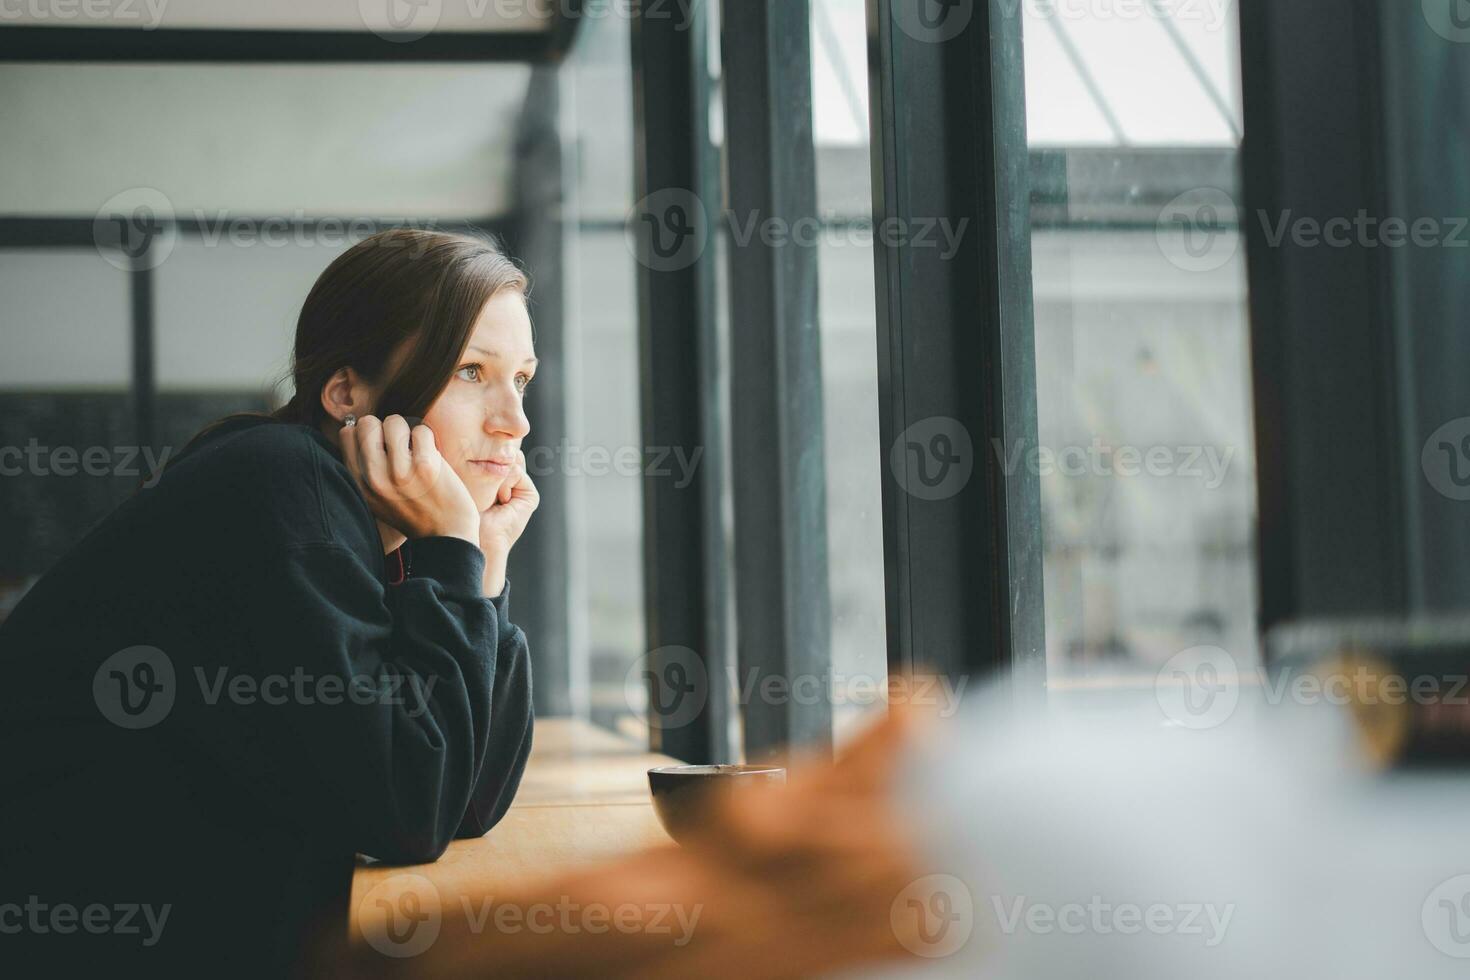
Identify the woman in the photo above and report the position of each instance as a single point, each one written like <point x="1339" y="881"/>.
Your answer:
<point x="295" y="648"/>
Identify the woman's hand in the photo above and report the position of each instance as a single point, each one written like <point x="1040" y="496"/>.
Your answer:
<point x="501" y="526"/>
<point x="407" y="483"/>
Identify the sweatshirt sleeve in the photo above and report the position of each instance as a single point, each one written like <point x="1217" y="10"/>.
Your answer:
<point x="511" y="720"/>
<point x="406" y="720"/>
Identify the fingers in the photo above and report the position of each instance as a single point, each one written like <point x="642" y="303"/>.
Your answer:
<point x="517" y="484"/>
<point x="399" y="452"/>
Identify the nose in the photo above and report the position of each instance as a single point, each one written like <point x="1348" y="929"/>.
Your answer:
<point x="506" y="417"/>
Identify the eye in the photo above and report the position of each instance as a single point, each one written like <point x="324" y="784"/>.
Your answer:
<point x="523" y="381"/>
<point x="469" y="367"/>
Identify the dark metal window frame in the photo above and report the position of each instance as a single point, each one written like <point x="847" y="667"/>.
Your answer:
<point x="956" y="351"/>
<point x="1358" y="352"/>
<point x="685" y="558"/>
<point x="777" y="428"/>
<point x="190" y="45"/>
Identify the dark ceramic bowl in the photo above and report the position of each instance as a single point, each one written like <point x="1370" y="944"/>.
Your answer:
<point x="680" y="792"/>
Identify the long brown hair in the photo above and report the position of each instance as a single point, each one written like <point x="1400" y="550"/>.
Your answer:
<point x="426" y="288"/>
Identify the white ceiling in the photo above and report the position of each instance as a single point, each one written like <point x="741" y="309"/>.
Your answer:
<point x="379" y="140"/>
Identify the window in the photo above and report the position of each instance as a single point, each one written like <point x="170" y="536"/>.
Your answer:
<point x="847" y="315"/>
<point x="1144" y="450"/>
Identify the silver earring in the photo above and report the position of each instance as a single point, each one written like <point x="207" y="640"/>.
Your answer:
<point x="350" y="421"/>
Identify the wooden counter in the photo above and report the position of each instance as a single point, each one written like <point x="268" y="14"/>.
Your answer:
<point x="583" y="798"/>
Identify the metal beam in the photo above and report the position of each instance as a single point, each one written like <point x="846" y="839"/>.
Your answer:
<point x="1358" y="109"/>
<point x="784" y="623"/>
<point x="957" y="376"/>
<point x="31" y="43"/>
<point x="685" y="554"/>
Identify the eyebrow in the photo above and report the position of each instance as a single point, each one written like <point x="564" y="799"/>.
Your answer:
<point x="496" y="354"/>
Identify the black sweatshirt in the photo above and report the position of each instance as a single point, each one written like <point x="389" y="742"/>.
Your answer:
<point x="219" y="697"/>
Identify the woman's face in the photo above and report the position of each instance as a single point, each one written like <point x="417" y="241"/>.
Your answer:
<point x="479" y="420"/>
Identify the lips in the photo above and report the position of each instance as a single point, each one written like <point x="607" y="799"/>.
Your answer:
<point x="492" y="467"/>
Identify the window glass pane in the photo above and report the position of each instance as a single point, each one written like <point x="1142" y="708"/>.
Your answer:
<point x="1145" y="447"/>
<point x="66" y="408"/>
<point x="604" y="425"/>
<point x="848" y="316"/>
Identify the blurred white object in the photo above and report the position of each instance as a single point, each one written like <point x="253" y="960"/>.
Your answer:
<point x="1111" y="844"/>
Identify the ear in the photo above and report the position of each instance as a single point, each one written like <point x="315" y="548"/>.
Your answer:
<point x="346" y="392"/>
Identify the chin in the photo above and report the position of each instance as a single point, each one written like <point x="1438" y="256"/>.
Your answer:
<point x="484" y="491"/>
